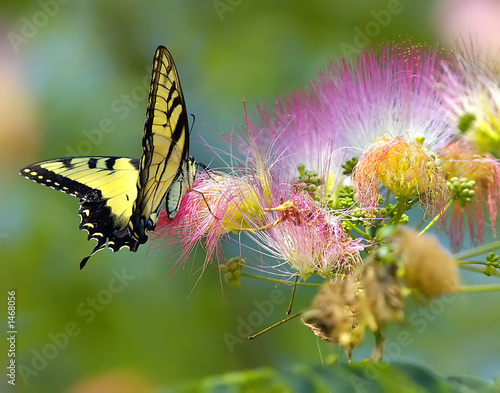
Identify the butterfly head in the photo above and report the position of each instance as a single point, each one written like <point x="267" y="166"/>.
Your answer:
<point x="150" y="224"/>
<point x="192" y="169"/>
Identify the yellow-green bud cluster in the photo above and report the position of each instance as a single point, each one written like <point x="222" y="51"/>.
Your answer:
<point x="390" y="211"/>
<point x="492" y="264"/>
<point x="346" y="198"/>
<point x="307" y="181"/>
<point x="462" y="189"/>
<point x="349" y="165"/>
<point x="232" y="271"/>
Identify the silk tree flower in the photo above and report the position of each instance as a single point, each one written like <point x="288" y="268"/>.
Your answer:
<point x="261" y="199"/>
<point x="213" y="208"/>
<point x="461" y="160"/>
<point x="384" y="101"/>
<point x="387" y="95"/>
<point x="310" y="239"/>
<point x="289" y="163"/>
<point x="472" y="98"/>
<point x="388" y="92"/>
<point x="302" y="161"/>
<point x="405" y="168"/>
<point x="284" y="221"/>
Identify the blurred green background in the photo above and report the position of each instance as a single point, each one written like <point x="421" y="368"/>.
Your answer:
<point x="65" y="66"/>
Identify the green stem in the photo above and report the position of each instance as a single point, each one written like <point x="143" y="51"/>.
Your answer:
<point x="303" y="284"/>
<point x="472" y="263"/>
<point x="422" y="221"/>
<point x="399" y="212"/>
<point x="277" y="324"/>
<point x="361" y="232"/>
<point x="387" y="198"/>
<point x="477" y="251"/>
<point x="481" y="288"/>
<point x="471" y="269"/>
<point x="379" y="346"/>
<point x="438" y="216"/>
<point x="293" y="296"/>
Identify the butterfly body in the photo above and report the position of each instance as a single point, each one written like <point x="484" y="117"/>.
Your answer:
<point x="180" y="186"/>
<point x="121" y="197"/>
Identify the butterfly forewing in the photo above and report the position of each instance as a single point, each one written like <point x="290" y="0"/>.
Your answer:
<point x="165" y="143"/>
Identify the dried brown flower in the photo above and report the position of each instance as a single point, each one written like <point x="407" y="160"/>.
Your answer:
<point x="428" y="268"/>
<point x="343" y="309"/>
<point x="333" y="316"/>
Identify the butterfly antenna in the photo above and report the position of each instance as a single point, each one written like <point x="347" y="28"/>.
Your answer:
<point x="206" y="203"/>
<point x="206" y="169"/>
<point x="293" y="296"/>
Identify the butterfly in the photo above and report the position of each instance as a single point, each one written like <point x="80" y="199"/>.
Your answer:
<point x="121" y="197"/>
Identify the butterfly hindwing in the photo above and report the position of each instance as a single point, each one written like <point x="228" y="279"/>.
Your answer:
<point x="106" y="187"/>
<point x="165" y="144"/>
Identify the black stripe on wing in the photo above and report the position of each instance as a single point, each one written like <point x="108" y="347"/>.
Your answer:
<point x="59" y="180"/>
<point x="163" y="60"/>
<point x="166" y="124"/>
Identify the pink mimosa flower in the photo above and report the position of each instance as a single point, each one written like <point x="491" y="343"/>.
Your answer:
<point x="460" y="159"/>
<point x="472" y="98"/>
<point x="404" y="168"/>
<point x="214" y="207"/>
<point x="390" y="92"/>
<point x="289" y="163"/>
<point x="310" y="239"/>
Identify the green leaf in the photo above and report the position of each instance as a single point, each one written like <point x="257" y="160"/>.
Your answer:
<point x="366" y="376"/>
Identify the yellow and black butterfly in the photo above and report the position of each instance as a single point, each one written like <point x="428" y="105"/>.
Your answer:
<point x="121" y="197"/>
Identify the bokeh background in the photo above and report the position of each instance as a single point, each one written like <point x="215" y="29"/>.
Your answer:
<point x="67" y="65"/>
